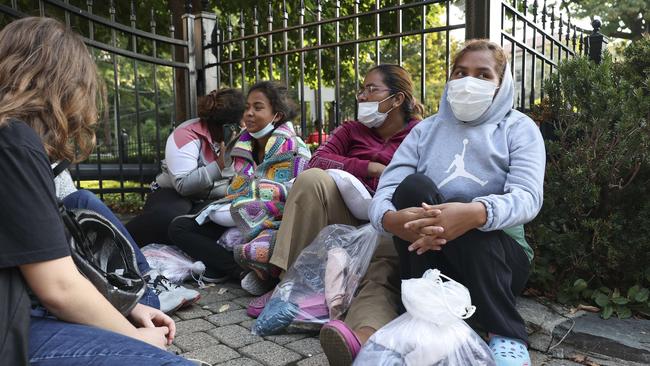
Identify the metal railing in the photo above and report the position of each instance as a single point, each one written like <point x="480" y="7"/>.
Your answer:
<point x="537" y="37"/>
<point x="137" y="67"/>
<point x="538" y="40"/>
<point x="322" y="53"/>
<point x="319" y="50"/>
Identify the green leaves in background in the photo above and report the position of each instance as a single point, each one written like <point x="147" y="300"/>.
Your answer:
<point x="593" y="233"/>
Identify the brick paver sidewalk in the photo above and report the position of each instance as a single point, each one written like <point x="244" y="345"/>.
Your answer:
<point x="217" y="330"/>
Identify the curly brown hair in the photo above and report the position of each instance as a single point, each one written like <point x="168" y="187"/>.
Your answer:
<point x="220" y="107"/>
<point x="49" y="81"/>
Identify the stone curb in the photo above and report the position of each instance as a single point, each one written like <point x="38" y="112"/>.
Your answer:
<point x="553" y="329"/>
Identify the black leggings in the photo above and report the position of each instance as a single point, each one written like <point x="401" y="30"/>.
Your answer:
<point x="492" y="265"/>
<point x="200" y="242"/>
<point x="161" y="207"/>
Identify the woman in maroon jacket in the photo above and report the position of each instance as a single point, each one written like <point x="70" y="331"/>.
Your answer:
<point x="387" y="112"/>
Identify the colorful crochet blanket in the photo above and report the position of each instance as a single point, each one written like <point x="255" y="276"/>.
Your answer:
<point x="257" y="193"/>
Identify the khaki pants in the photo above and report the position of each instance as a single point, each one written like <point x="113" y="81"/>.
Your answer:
<point x="313" y="203"/>
<point x="378" y="299"/>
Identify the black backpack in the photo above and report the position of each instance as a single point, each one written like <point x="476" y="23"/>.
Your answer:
<point x="103" y="255"/>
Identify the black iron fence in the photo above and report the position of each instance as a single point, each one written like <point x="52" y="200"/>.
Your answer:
<point x="323" y="50"/>
<point x="537" y="39"/>
<point x="139" y="68"/>
<point x="320" y="50"/>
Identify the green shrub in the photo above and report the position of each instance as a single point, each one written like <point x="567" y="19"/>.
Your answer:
<point x="592" y="236"/>
<point x="132" y="202"/>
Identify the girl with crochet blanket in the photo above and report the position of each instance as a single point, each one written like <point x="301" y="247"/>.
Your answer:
<point x="266" y="157"/>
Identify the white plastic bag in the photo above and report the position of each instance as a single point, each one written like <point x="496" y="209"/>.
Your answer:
<point x="432" y="331"/>
<point x="220" y="215"/>
<point x="354" y="193"/>
<point x="172" y="263"/>
<point x="320" y="284"/>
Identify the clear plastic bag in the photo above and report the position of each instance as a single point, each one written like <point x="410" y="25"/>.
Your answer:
<point x="172" y="263"/>
<point x="320" y="284"/>
<point x="432" y="331"/>
<point x="231" y="238"/>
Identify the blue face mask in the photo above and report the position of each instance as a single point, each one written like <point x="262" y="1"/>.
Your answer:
<point x="264" y="131"/>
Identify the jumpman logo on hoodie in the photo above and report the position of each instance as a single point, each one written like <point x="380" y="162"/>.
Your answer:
<point x="459" y="171"/>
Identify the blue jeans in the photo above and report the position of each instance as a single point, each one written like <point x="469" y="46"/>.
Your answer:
<point x="87" y="200"/>
<point x="53" y="342"/>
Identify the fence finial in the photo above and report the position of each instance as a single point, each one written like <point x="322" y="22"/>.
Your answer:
<point x="552" y="20"/>
<point x="596" y="23"/>
<point x="525" y="6"/>
<point x="596" y="41"/>
<point x="188" y="6"/>
<point x="152" y="23"/>
<point x="132" y="17"/>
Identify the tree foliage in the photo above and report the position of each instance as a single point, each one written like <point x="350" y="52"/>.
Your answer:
<point x="627" y="19"/>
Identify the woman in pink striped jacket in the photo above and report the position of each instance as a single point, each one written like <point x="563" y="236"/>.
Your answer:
<point x="196" y="168"/>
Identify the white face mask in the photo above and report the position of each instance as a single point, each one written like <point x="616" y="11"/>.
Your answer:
<point x="470" y="97"/>
<point x="370" y="115"/>
<point x="264" y="131"/>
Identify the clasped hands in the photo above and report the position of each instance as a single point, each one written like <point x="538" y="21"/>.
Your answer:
<point x="430" y="227"/>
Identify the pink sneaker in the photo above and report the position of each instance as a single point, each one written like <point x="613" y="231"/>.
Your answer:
<point x="256" y="305"/>
<point x="339" y="343"/>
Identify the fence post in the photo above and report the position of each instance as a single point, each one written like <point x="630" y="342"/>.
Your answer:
<point x="483" y="19"/>
<point x="595" y="41"/>
<point x="203" y="29"/>
<point x="188" y="34"/>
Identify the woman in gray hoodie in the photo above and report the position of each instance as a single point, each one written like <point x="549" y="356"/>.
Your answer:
<point x="456" y="195"/>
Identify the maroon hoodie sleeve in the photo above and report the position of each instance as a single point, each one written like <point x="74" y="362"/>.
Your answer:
<point x="333" y="154"/>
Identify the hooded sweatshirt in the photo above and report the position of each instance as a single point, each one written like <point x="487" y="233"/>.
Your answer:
<point x="497" y="159"/>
